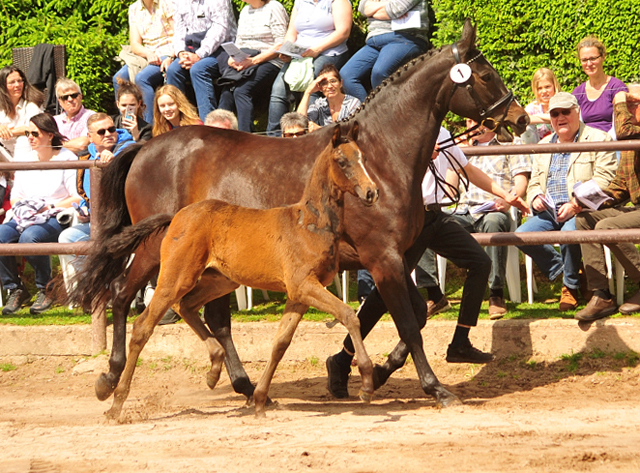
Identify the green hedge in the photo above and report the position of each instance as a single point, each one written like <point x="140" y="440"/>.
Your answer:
<point x="521" y="36"/>
<point x="516" y="36"/>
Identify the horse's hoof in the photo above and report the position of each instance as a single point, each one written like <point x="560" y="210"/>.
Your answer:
<point x="112" y="414"/>
<point x="104" y="388"/>
<point x="584" y="326"/>
<point x="447" y="399"/>
<point x="212" y="379"/>
<point x="365" y="397"/>
<point x="380" y="376"/>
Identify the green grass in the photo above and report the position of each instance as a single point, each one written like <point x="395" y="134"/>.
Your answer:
<point x="7" y="367"/>
<point x="545" y="305"/>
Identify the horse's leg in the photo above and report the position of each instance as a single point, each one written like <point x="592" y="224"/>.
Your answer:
<point x="293" y="312"/>
<point x="217" y="314"/>
<point x="393" y="289"/>
<point x="313" y="294"/>
<point x="123" y="291"/>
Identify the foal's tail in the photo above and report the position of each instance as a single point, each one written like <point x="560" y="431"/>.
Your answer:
<point x="107" y="261"/>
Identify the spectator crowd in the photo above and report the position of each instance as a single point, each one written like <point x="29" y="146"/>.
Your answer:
<point x="191" y="63"/>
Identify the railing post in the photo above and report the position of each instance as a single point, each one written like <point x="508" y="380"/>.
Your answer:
<point x="99" y="314"/>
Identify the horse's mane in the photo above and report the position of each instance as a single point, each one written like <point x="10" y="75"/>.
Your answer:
<point x="402" y="70"/>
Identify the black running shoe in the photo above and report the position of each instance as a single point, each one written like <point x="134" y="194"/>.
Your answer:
<point x="466" y="353"/>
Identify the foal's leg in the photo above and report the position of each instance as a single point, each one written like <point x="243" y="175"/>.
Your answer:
<point x="293" y="312"/>
<point x="312" y="293"/>
<point x="123" y="291"/>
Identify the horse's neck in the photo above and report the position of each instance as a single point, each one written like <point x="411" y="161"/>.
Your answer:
<point x="322" y="202"/>
<point x="404" y="117"/>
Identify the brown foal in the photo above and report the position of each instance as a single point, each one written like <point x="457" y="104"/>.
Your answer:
<point x="211" y="247"/>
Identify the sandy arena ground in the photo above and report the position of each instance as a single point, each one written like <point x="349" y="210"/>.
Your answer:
<point x="517" y="416"/>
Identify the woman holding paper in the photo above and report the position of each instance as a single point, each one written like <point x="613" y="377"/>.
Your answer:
<point x="322" y="27"/>
<point x="398" y="32"/>
<point x="261" y="26"/>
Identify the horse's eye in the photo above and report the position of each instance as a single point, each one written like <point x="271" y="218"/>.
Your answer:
<point x="486" y="77"/>
<point x="342" y="162"/>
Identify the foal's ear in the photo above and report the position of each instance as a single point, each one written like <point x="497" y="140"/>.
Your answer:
<point x="337" y="133"/>
<point x="355" y="130"/>
<point x="468" y="34"/>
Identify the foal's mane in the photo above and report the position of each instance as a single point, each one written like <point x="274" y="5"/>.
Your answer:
<point x="406" y="69"/>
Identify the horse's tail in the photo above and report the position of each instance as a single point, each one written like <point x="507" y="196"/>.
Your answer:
<point x="107" y="261"/>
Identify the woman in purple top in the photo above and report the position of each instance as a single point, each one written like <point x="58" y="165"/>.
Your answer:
<point x="595" y="96"/>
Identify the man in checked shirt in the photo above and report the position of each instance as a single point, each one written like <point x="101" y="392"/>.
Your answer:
<point x="613" y="214"/>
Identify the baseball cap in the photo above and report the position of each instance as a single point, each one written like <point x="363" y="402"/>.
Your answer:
<point x="562" y="100"/>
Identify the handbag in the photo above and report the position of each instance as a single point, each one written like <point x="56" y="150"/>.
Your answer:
<point x="299" y="74"/>
<point x="229" y="75"/>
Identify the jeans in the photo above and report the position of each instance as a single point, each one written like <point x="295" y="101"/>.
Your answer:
<point x="280" y="102"/>
<point x="546" y="257"/>
<point x="378" y="59"/>
<point x="242" y="93"/>
<point x="203" y="75"/>
<point x="75" y="234"/>
<point x="147" y="80"/>
<point x="47" y="232"/>
<point x="492" y="222"/>
<point x="366" y="284"/>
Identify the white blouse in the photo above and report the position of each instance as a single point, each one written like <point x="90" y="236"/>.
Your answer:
<point x="24" y="111"/>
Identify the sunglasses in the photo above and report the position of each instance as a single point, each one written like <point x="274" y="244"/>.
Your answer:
<point x="294" y="135"/>
<point x="64" y="98"/>
<point x="556" y="113"/>
<point x="102" y="131"/>
<point x="35" y="134"/>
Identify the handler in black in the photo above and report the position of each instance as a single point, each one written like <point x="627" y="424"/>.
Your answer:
<point x="448" y="238"/>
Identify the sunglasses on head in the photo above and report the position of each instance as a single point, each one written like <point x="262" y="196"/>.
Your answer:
<point x="35" y="134"/>
<point x="294" y="134"/>
<point x="64" y="98"/>
<point x="102" y="131"/>
<point x="556" y="113"/>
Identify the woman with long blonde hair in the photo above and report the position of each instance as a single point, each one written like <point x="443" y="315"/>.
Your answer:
<point x="172" y="109"/>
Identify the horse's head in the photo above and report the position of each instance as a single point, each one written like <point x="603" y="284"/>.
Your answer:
<point x="347" y="169"/>
<point x="479" y="93"/>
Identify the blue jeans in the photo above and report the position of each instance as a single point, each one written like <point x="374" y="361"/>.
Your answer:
<point x="242" y="93"/>
<point x="203" y="75"/>
<point x="75" y="234"/>
<point x="546" y="257"/>
<point x="378" y="59"/>
<point x="147" y="80"/>
<point x="366" y="284"/>
<point x="44" y="233"/>
<point x="280" y="102"/>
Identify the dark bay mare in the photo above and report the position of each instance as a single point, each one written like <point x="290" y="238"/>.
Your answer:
<point x="210" y="247"/>
<point x="399" y="126"/>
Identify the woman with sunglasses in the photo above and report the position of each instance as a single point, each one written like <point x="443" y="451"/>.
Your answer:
<point x="19" y="101"/>
<point x="595" y="95"/>
<point x="334" y="106"/>
<point x="37" y="197"/>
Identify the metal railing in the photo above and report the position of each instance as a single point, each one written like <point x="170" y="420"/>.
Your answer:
<point x="98" y="318"/>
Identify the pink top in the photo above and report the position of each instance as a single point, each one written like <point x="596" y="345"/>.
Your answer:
<point x="535" y="108"/>
<point x="75" y="127"/>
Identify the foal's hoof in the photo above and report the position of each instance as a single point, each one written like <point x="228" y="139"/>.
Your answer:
<point x="365" y="397"/>
<point x="104" y="387"/>
<point x="445" y="398"/>
<point x="212" y="379"/>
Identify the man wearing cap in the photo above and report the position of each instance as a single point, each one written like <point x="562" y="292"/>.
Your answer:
<point x="549" y="193"/>
<point x="613" y="214"/>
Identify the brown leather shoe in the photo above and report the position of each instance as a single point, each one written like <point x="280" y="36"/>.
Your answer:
<point x="568" y="299"/>
<point x="497" y="308"/>
<point x="434" y="308"/>
<point x="597" y="308"/>
<point x="631" y="305"/>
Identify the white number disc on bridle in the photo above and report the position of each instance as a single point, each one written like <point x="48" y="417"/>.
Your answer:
<point x="460" y="73"/>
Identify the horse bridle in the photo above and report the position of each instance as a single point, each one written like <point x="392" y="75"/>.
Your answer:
<point x="506" y="100"/>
